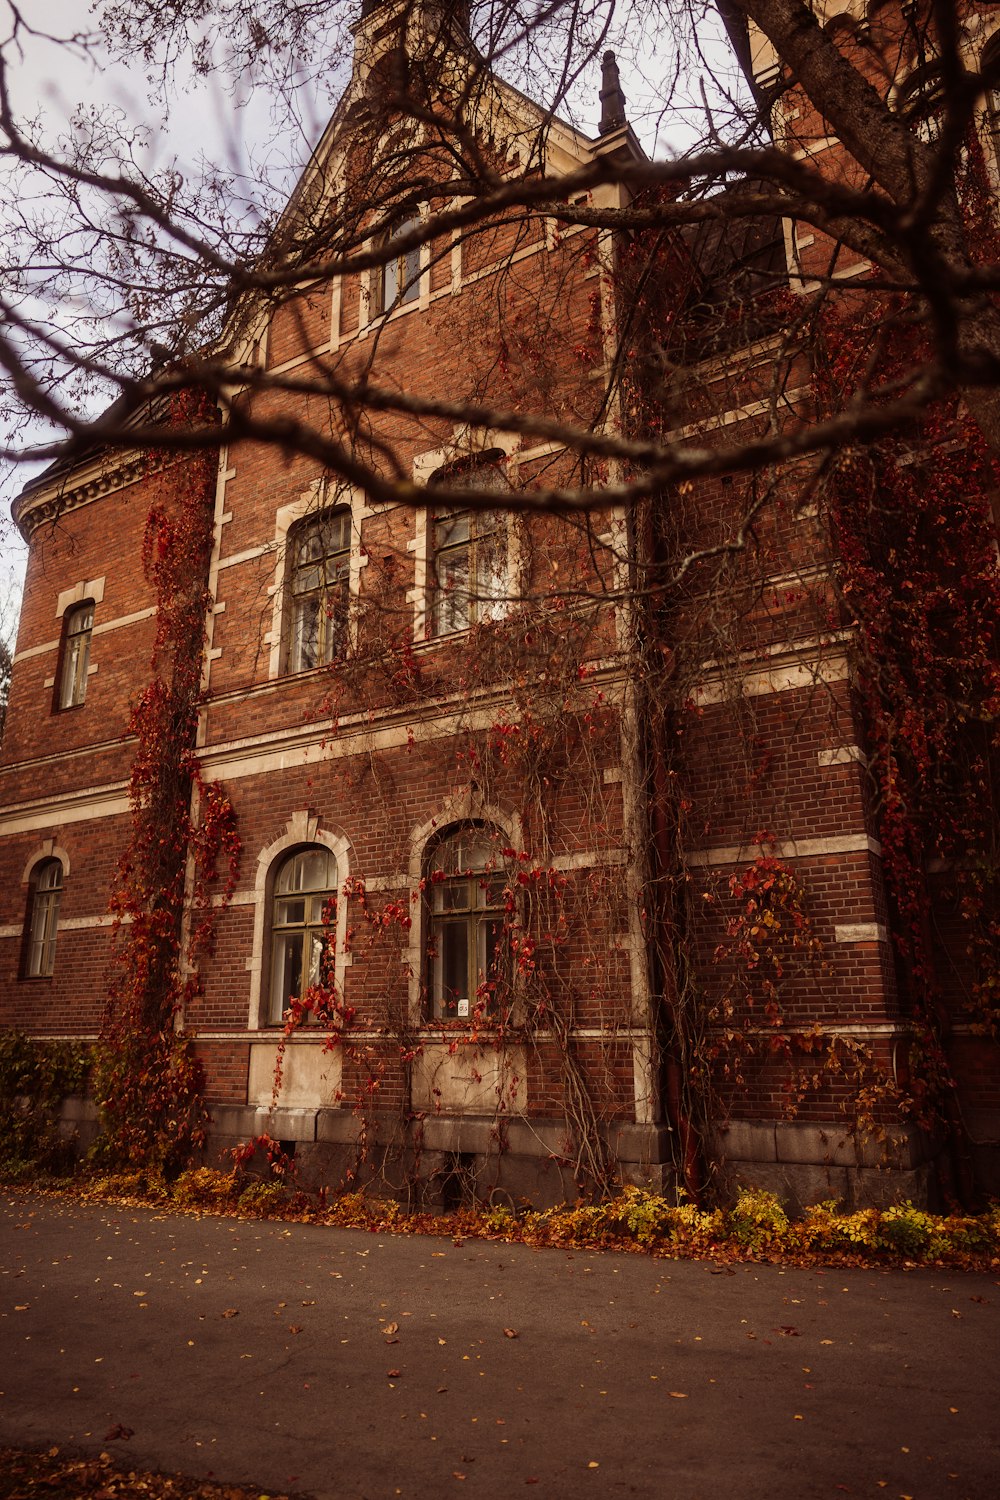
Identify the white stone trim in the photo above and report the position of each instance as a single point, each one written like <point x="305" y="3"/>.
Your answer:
<point x="843" y="755"/>
<point x="771" y="680"/>
<point x="87" y="588"/>
<point x="78" y="809"/>
<point x="860" y="932"/>
<point x="741" y="854"/>
<point x="49" y="849"/>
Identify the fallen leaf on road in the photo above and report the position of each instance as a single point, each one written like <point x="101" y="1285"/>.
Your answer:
<point x="392" y="1374"/>
<point x="511" y="1333"/>
<point x="787" y="1331"/>
<point x="230" y="1312"/>
<point x="679" y="1395"/>
<point x="118" y="1433"/>
<point x="593" y="1465"/>
<point x="391" y="1328"/>
<point x="295" y="1328"/>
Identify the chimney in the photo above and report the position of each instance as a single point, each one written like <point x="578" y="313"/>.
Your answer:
<point x="612" y="98"/>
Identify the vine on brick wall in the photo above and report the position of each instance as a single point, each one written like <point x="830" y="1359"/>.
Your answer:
<point x="182" y="842"/>
<point x="918" y="575"/>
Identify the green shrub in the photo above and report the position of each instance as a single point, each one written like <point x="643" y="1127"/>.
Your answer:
<point x="206" y="1187"/>
<point x="905" y="1230"/>
<point x="262" y="1199"/>
<point x="757" y="1220"/>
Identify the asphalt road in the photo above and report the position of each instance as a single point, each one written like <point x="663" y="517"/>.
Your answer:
<point x="354" y="1365"/>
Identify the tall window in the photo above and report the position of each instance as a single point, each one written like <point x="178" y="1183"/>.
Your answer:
<point x="465" y="949"/>
<point x="46" y="890"/>
<point x="922" y="104"/>
<point x="79" y="627"/>
<point x="397" y="280"/>
<point x="319" y="589"/>
<point x="470" y="572"/>
<point x="303" y="927"/>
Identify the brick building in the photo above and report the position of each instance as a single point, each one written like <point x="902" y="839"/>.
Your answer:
<point x="513" y="788"/>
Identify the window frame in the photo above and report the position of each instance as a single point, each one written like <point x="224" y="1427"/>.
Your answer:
<point x="396" y="281"/>
<point x="42" y="919"/>
<point x="486" y="954"/>
<point x="332" y="619"/>
<point x="486" y="548"/>
<point x="74" y="665"/>
<point x="921" y="103"/>
<point x="282" y="934"/>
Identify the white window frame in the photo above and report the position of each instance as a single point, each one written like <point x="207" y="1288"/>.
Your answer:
<point x="323" y="494"/>
<point x="43" y="917"/>
<point x="302" y="829"/>
<point x="469" y="446"/>
<point x="74" y="670"/>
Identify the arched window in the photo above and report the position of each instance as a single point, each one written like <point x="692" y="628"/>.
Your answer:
<point x="466" y="957"/>
<point x="319" y="582"/>
<point x="397" y="279"/>
<point x="470" y="576"/>
<point x="43" y="916"/>
<point x="77" y="630"/>
<point x="921" y="102"/>
<point x="303" y="926"/>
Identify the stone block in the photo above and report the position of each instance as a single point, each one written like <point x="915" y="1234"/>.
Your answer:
<point x="286" y="1124"/>
<point x="745" y="1140"/>
<point x="310" y="1075"/>
<point x="641" y="1145"/>
<point x="816" y="1145"/>
<point x="470" y="1080"/>
<point x="337" y="1126"/>
<point x="444" y="1133"/>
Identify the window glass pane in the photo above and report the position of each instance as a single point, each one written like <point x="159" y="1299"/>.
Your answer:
<point x="286" y="977"/>
<point x="390" y="285"/>
<point x="466" y="923"/>
<point x="290" y="913"/>
<point x="305" y="634"/>
<point x="303" y="937"/>
<point x="44" y="919"/>
<point x="450" y="530"/>
<point x="468" y="850"/>
<point x="76" y="656"/>
<point x="491" y="574"/>
<point x="409" y="267"/>
<point x="452" y="966"/>
<point x="451" y="611"/>
<point x="319" y="586"/>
